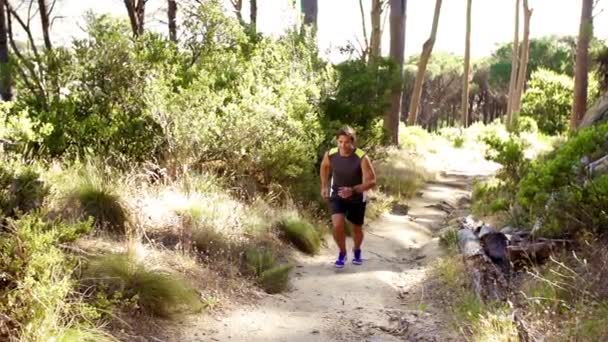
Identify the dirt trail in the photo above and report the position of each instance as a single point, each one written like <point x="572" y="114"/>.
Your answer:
<point x="382" y="300"/>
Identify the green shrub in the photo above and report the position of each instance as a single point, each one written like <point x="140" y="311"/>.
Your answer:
<point x="510" y="154"/>
<point x="93" y="194"/>
<point x="554" y="190"/>
<point x="21" y="189"/>
<point x="276" y="279"/>
<point x="37" y="288"/>
<point x="301" y="234"/>
<point x="262" y="263"/>
<point x="128" y="281"/>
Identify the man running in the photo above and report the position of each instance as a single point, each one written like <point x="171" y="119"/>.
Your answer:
<point x="352" y="174"/>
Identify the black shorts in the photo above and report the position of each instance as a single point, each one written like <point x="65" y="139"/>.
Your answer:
<point x="354" y="210"/>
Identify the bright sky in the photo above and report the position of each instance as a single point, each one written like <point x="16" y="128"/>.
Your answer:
<point x="340" y="21"/>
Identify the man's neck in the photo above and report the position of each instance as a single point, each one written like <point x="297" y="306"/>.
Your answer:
<point x="346" y="153"/>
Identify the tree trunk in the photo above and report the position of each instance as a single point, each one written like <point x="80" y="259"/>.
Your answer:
<point x="5" y="70"/>
<point x="523" y="65"/>
<point x="238" y="6"/>
<point x="427" y="49"/>
<point x="172" y="15"/>
<point x="44" y="19"/>
<point x="310" y="8"/>
<point x="397" y="20"/>
<point x="467" y="62"/>
<point x="514" y="67"/>
<point x="253" y="15"/>
<point x="136" y="9"/>
<point x="365" y="49"/>
<point x="376" y="37"/>
<point x="581" y="69"/>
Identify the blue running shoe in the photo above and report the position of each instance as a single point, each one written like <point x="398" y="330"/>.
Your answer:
<point x="341" y="260"/>
<point x="357" y="259"/>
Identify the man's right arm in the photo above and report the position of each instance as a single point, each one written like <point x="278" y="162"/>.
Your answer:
<point x="325" y="168"/>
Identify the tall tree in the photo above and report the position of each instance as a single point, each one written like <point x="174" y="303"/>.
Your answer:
<point x="397" y="24"/>
<point x="172" y="17"/>
<point x="364" y="49"/>
<point x="5" y="70"/>
<point x="310" y="8"/>
<point x="523" y="65"/>
<point x="514" y="67"/>
<point x="581" y="68"/>
<point x="467" y="64"/>
<point x="427" y="49"/>
<point x="238" y="7"/>
<point x="44" y="19"/>
<point x="376" y="36"/>
<point x="136" y="9"/>
<point x="253" y="14"/>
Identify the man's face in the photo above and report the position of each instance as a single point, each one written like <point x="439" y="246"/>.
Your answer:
<point x="345" y="144"/>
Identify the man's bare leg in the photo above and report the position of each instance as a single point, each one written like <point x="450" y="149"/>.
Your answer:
<point x="358" y="235"/>
<point x="339" y="235"/>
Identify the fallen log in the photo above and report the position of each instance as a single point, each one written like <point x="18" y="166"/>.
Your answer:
<point x="488" y="282"/>
<point x="494" y="244"/>
<point x="530" y="253"/>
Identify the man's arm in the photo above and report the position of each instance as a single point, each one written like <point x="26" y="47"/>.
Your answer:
<point x="369" y="176"/>
<point x="325" y="169"/>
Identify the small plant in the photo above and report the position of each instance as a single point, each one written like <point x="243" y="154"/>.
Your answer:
<point x="272" y="277"/>
<point x="301" y="234"/>
<point x="449" y="239"/>
<point x="160" y="294"/>
<point x="276" y="279"/>
<point x="88" y="191"/>
<point x="37" y="290"/>
<point x="21" y="191"/>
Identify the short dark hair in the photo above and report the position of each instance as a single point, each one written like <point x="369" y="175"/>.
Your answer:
<point x="347" y="131"/>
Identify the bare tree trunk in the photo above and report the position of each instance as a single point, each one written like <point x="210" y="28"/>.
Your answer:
<point x="427" y="49"/>
<point x="467" y="65"/>
<point x="136" y="9"/>
<point x="581" y="70"/>
<point x="514" y="67"/>
<point x="5" y="70"/>
<point x="376" y="37"/>
<point x="310" y="8"/>
<point x="365" y="49"/>
<point x="397" y="20"/>
<point x="238" y="6"/>
<point x="253" y="14"/>
<point x="44" y="18"/>
<point x="523" y="65"/>
<point x="172" y="15"/>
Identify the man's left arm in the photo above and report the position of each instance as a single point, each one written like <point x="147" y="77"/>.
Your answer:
<point x="369" y="176"/>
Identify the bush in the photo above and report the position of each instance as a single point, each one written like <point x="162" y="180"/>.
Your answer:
<point x="262" y="263"/>
<point x="94" y="195"/>
<point x="129" y="282"/>
<point x="548" y="100"/>
<point x="554" y="188"/>
<point x="21" y="189"/>
<point x="361" y="98"/>
<point x="510" y="154"/>
<point x="301" y="234"/>
<point x="276" y="279"/>
<point x="36" y="284"/>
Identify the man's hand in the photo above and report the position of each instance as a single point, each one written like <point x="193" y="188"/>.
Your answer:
<point x="345" y="192"/>
<point x="325" y="192"/>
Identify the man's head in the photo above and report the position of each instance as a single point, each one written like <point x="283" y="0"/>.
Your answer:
<point x="346" y="138"/>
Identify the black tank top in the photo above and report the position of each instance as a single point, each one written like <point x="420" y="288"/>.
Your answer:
<point x="346" y="171"/>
